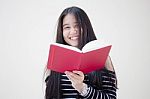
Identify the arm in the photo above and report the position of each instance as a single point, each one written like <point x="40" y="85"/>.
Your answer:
<point x="108" y="86"/>
<point x="108" y="90"/>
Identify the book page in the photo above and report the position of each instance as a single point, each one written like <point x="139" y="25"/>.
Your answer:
<point x="67" y="47"/>
<point x="93" y="45"/>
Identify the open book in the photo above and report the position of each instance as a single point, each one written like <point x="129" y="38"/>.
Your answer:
<point x="68" y="58"/>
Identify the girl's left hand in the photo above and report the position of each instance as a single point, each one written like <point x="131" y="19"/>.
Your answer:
<point x="76" y="78"/>
<point x="108" y="64"/>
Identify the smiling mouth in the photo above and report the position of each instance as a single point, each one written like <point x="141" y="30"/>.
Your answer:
<point x="74" y="38"/>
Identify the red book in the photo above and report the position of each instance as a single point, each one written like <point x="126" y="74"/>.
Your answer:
<point x="67" y="58"/>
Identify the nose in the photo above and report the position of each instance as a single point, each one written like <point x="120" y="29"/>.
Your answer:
<point x="73" y="31"/>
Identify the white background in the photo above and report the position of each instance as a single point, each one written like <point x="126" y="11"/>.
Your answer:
<point x="27" y="27"/>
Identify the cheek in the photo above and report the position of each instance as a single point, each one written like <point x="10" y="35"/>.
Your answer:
<point x="65" y="37"/>
<point x="65" y="34"/>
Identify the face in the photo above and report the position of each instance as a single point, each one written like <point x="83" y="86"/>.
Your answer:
<point x="71" y="30"/>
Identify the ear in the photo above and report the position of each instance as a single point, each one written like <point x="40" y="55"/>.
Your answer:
<point x="108" y="64"/>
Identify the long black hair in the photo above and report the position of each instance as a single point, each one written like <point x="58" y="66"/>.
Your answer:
<point x="87" y="35"/>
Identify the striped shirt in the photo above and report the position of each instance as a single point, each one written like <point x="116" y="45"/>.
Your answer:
<point x="68" y="92"/>
<point x="108" y="87"/>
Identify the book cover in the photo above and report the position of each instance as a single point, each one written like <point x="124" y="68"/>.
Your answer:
<point x="67" y="58"/>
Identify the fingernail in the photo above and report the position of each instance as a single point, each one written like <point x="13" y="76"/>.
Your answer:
<point x="66" y="72"/>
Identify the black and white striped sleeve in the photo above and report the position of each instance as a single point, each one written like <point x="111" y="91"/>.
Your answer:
<point x="108" y="88"/>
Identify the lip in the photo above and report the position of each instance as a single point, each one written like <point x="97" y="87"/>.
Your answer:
<point x="74" y="37"/>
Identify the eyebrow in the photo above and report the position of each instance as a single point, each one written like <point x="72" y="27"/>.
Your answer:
<point x="65" y="24"/>
<point x="68" y="24"/>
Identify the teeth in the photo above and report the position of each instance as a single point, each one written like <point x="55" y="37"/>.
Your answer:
<point x="74" y="38"/>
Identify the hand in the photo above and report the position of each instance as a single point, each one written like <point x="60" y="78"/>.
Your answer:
<point x="76" y="78"/>
<point x="108" y="64"/>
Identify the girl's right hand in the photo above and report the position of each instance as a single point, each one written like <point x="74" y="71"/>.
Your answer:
<point x="76" y="78"/>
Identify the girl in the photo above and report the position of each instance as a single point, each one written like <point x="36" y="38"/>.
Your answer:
<point x="74" y="29"/>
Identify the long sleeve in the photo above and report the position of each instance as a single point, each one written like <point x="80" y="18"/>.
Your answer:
<point x="108" y="90"/>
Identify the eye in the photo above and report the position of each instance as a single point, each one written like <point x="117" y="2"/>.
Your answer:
<point x="77" y="26"/>
<point x="66" y="27"/>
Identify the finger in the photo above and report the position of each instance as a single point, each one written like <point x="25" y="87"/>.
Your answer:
<point x="78" y="72"/>
<point x="74" y="77"/>
<point x="70" y="75"/>
<point x="67" y="72"/>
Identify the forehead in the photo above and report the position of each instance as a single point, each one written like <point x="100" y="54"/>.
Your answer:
<point x="69" y="19"/>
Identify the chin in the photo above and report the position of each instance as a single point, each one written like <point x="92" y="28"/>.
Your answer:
<point x="74" y="45"/>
